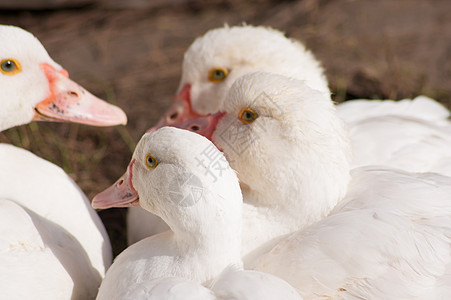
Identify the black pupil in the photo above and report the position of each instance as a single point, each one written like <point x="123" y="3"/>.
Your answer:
<point x="150" y="160"/>
<point x="248" y="115"/>
<point x="218" y="74"/>
<point x="8" y="65"/>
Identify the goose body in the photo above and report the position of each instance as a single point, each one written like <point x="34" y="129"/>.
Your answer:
<point x="412" y="135"/>
<point x="421" y="107"/>
<point x="374" y="233"/>
<point x="34" y="87"/>
<point x="48" y="191"/>
<point x="204" y="214"/>
<point x="38" y="253"/>
<point x="389" y="238"/>
<point x="171" y="288"/>
<point x="377" y="128"/>
<point x="233" y="283"/>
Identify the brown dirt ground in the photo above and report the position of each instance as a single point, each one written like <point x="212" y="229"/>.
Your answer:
<point x="131" y="55"/>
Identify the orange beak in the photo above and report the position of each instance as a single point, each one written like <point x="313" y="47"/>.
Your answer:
<point x="70" y="102"/>
<point x="181" y="115"/>
<point x="120" y="194"/>
<point x="180" y="110"/>
<point x="205" y="126"/>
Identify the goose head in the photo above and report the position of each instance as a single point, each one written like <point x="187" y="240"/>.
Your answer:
<point x="171" y="175"/>
<point x="286" y="143"/>
<point x="215" y="60"/>
<point x="34" y="87"/>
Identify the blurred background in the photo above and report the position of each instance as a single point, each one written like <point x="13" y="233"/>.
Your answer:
<point x="130" y="53"/>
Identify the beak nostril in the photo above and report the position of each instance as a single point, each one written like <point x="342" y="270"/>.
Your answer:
<point x="120" y="182"/>
<point x="72" y="93"/>
<point x="195" y="128"/>
<point x="174" y="116"/>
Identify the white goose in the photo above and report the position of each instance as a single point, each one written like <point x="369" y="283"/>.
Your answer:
<point x="34" y="87"/>
<point x="215" y="60"/>
<point x="204" y="214"/>
<point x="385" y="234"/>
<point x="377" y="128"/>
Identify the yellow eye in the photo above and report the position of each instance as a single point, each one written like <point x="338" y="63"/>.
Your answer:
<point x="247" y="115"/>
<point x="10" y="66"/>
<point x="151" y="161"/>
<point x="217" y="75"/>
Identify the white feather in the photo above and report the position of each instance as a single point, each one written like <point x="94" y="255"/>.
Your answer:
<point x="59" y="249"/>
<point x="411" y="134"/>
<point x="205" y="237"/>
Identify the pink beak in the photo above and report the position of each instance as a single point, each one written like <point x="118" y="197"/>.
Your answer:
<point x="180" y="110"/>
<point x="68" y="101"/>
<point x="120" y="194"/>
<point x="205" y="126"/>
